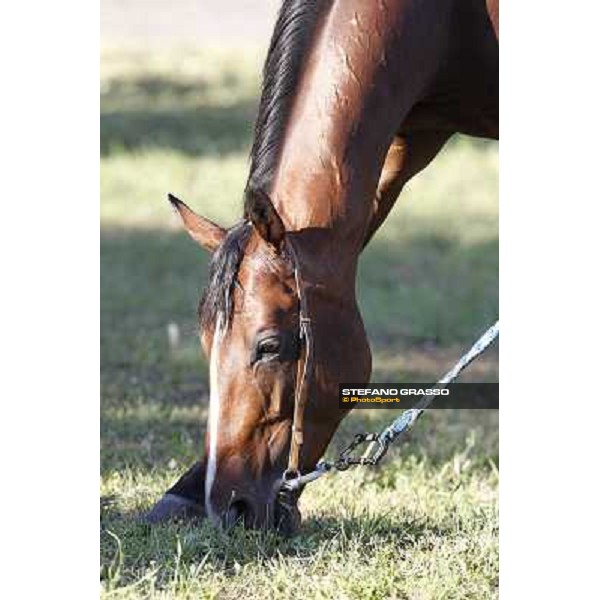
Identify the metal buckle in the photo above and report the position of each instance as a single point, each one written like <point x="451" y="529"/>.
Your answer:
<point x="289" y="475"/>
<point x="287" y="495"/>
<point x="372" y="454"/>
<point x="303" y="326"/>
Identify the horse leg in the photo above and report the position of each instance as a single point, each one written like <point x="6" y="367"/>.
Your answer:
<point x="183" y="500"/>
<point x="408" y="155"/>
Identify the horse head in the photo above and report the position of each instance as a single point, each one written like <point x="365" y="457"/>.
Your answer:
<point x="249" y="319"/>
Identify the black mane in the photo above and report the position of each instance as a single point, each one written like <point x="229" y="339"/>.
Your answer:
<point x="291" y="38"/>
<point x="224" y="266"/>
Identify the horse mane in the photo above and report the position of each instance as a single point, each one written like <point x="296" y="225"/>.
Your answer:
<point x="296" y="23"/>
<point x="294" y="29"/>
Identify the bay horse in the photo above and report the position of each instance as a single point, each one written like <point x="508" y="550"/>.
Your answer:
<point x="357" y="97"/>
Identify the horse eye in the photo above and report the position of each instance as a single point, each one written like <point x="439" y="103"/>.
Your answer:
<point x="268" y="347"/>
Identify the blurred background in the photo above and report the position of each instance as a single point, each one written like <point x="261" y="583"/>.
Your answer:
<point x="179" y="90"/>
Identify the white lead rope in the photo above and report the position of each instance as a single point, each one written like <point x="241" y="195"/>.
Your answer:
<point x="399" y="426"/>
<point x="408" y="418"/>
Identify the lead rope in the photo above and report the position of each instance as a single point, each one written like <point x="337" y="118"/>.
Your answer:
<point x="379" y="443"/>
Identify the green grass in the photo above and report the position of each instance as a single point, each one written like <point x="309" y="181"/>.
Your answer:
<point x="424" y="525"/>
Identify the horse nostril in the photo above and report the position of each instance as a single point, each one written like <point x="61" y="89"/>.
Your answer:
<point x="239" y="511"/>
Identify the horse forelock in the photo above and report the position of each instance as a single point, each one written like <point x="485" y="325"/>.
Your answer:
<point x="218" y="294"/>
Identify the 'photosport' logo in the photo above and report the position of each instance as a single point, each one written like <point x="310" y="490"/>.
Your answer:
<point x="407" y="395"/>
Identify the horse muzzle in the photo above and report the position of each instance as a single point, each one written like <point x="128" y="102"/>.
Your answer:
<point x="281" y="513"/>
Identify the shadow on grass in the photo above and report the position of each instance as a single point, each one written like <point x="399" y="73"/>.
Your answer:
<point x="428" y="289"/>
<point x="150" y="89"/>
<point x="156" y="112"/>
<point x="197" y="131"/>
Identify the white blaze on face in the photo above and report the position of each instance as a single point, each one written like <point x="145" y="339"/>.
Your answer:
<point x="213" y="417"/>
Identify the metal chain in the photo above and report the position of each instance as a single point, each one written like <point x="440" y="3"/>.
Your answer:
<point x="379" y="443"/>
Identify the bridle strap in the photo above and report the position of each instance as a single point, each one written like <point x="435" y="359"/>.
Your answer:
<point x="304" y="371"/>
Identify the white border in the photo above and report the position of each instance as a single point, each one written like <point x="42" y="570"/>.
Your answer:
<point x="549" y="298"/>
<point x="49" y="428"/>
<point x="549" y="220"/>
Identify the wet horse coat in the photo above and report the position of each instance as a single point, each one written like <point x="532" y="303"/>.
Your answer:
<point x="357" y="98"/>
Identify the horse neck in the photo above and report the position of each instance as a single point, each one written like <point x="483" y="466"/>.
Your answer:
<point x="359" y="80"/>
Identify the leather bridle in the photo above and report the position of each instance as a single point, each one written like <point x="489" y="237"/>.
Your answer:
<point x="303" y="373"/>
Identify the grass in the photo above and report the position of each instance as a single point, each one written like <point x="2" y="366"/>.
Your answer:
<point x="424" y="525"/>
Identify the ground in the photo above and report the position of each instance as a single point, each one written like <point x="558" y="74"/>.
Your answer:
<point x="423" y="525"/>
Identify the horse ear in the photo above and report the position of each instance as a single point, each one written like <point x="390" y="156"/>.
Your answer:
<point x="265" y="219"/>
<point x="205" y="232"/>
